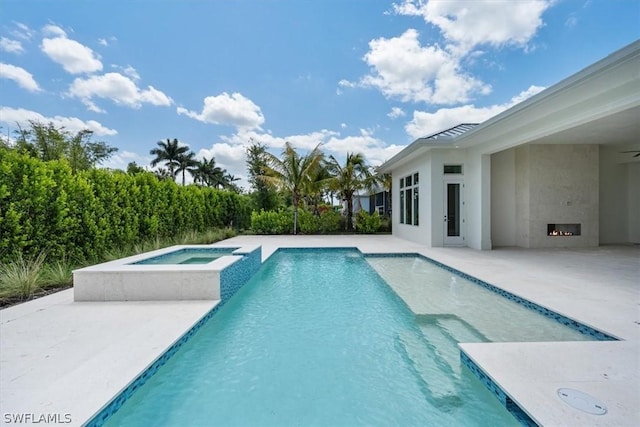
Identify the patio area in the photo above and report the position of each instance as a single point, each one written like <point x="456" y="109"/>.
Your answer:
<point x="70" y="358"/>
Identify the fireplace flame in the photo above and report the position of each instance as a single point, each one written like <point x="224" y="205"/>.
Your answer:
<point x="560" y="233"/>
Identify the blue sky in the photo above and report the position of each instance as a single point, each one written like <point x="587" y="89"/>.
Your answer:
<point x="355" y="76"/>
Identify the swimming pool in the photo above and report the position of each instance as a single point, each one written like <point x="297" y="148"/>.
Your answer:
<point x="316" y="337"/>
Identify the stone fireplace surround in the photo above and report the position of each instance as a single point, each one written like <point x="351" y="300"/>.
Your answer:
<point x="556" y="184"/>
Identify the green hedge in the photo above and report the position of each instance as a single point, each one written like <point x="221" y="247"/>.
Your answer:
<point x="281" y="222"/>
<point x="45" y="207"/>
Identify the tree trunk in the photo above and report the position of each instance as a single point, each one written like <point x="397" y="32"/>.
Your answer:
<point x="295" y="213"/>
<point x="350" y="213"/>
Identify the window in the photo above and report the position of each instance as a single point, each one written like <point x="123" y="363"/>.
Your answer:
<point x="409" y="200"/>
<point x="453" y="169"/>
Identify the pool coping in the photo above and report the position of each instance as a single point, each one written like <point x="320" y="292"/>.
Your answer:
<point x="126" y="280"/>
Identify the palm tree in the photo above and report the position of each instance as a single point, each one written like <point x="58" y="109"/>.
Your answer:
<point x="216" y="177"/>
<point x="162" y="174"/>
<point x="229" y="182"/>
<point x="186" y="162"/>
<point x="168" y="153"/>
<point x="201" y="171"/>
<point x="318" y="184"/>
<point x="349" y="179"/>
<point x="384" y="180"/>
<point x="292" y="173"/>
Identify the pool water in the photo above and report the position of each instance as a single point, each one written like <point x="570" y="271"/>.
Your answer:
<point x="316" y="337"/>
<point x="188" y="256"/>
<point x="456" y="307"/>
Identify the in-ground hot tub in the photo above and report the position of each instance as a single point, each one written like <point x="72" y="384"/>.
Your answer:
<point x="202" y="272"/>
<point x="188" y="255"/>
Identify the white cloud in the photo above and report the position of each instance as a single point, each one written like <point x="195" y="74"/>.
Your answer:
<point x="375" y="150"/>
<point x="402" y="68"/>
<point x="118" y="88"/>
<point x="11" y="116"/>
<point x="103" y="42"/>
<point x="343" y="125"/>
<point x="304" y="142"/>
<point x="424" y="123"/>
<point x="471" y="23"/>
<point x="53" y="30"/>
<point x="22" y="77"/>
<point x="346" y="83"/>
<point x="224" y="109"/>
<point x="121" y="159"/>
<point x="131" y="72"/>
<point x="128" y="70"/>
<point x="74" y="57"/>
<point x="11" y="46"/>
<point x="396" y="112"/>
<point x="22" y="32"/>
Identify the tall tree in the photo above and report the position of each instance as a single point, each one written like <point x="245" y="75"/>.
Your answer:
<point x="134" y="169"/>
<point x="202" y="170"/>
<point x="315" y="188"/>
<point x="168" y="153"/>
<point x="186" y="162"/>
<point x="349" y="178"/>
<point x="291" y="173"/>
<point x="48" y="142"/>
<point x="229" y="182"/>
<point x="264" y="197"/>
<point x="206" y="173"/>
<point x="162" y="174"/>
<point x="385" y="181"/>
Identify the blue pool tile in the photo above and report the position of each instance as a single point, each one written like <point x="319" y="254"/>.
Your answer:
<point x="232" y="278"/>
<point x="505" y="400"/>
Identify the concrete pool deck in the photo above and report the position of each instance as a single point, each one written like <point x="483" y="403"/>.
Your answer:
<point x="63" y="357"/>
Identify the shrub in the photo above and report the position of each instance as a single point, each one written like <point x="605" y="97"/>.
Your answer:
<point x="330" y="222"/>
<point x="272" y="222"/>
<point x="308" y="222"/>
<point x="368" y="223"/>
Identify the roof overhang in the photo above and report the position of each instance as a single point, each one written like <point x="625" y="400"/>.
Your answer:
<point x="598" y="105"/>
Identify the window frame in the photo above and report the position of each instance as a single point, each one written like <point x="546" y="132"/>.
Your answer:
<point x="409" y="199"/>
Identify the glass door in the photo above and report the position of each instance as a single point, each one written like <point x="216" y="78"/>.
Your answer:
<point x="453" y="220"/>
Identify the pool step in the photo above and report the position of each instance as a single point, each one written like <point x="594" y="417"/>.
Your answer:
<point x="434" y="375"/>
<point x="444" y="332"/>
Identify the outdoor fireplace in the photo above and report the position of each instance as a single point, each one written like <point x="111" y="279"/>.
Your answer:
<point x="563" y="230"/>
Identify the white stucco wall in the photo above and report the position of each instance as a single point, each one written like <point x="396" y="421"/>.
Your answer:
<point x="477" y="206"/>
<point x="633" y="192"/>
<point x="614" y="197"/>
<point x="439" y="158"/>
<point x="503" y="198"/>
<point x="522" y="166"/>
<point x="422" y="232"/>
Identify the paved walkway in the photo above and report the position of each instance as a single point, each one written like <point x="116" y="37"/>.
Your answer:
<point x="62" y="357"/>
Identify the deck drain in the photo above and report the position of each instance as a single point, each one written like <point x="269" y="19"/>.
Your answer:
<point x="582" y="401"/>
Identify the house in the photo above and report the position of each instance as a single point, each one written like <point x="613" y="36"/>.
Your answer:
<point x="376" y="200"/>
<point x="560" y="169"/>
